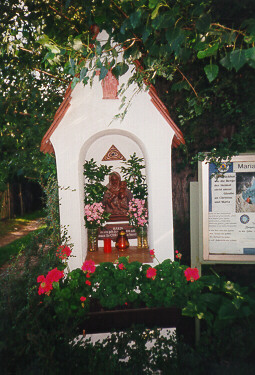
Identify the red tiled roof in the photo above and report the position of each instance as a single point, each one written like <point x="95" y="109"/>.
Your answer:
<point x="178" y="136"/>
<point x="47" y="147"/>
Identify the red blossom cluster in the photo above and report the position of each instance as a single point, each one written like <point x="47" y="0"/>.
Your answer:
<point x="46" y="283"/>
<point x="191" y="274"/>
<point x="121" y="266"/>
<point x="63" y="252"/>
<point x="151" y="273"/>
<point x="178" y="255"/>
<point x="82" y="299"/>
<point x="88" y="266"/>
<point x="152" y="253"/>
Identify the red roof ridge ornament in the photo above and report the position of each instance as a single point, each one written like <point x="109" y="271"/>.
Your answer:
<point x="110" y="86"/>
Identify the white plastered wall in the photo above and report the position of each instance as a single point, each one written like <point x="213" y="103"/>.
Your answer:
<point x="88" y="125"/>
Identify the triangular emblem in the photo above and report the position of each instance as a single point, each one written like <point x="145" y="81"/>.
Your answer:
<point x="113" y="154"/>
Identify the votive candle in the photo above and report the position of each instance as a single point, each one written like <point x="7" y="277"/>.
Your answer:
<point x="107" y="245"/>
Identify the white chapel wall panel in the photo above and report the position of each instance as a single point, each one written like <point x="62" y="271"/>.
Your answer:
<point x="88" y="122"/>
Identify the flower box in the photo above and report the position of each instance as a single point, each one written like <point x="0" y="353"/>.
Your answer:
<point x="122" y="319"/>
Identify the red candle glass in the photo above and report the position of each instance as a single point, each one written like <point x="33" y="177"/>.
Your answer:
<point x="107" y="245"/>
<point x="122" y="240"/>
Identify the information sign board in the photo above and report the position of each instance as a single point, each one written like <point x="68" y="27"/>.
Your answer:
<point x="227" y="194"/>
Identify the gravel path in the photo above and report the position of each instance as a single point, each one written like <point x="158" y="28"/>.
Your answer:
<point x="20" y="231"/>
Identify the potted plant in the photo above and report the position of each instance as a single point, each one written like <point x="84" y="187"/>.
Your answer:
<point x="137" y="212"/>
<point x="95" y="214"/>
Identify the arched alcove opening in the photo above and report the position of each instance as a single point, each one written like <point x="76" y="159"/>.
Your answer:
<point x="111" y="148"/>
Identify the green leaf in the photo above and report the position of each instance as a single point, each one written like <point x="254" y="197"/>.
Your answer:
<point x="72" y="67"/>
<point x="251" y="63"/>
<point x="77" y="44"/>
<point x="208" y="52"/>
<point x="135" y="18"/>
<point x="99" y="64"/>
<point x="74" y="82"/>
<point x="203" y="22"/>
<point x="83" y="73"/>
<point x="238" y="58"/>
<point x="146" y="33"/>
<point x="211" y="71"/>
<point x="53" y="48"/>
<point x="175" y="38"/>
<point x="250" y="53"/>
<point x="43" y="39"/>
<point x="103" y="73"/>
<point x="227" y="311"/>
<point x="120" y="69"/>
<point x="153" y="3"/>
<point x="225" y="61"/>
<point x="155" y="12"/>
<point x="179" y="86"/>
<point x="98" y="49"/>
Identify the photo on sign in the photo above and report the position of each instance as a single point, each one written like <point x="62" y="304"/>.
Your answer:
<point x="245" y="192"/>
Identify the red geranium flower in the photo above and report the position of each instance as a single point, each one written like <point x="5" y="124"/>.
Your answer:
<point x="121" y="266"/>
<point x="46" y="282"/>
<point x="151" y="273"/>
<point x="45" y="286"/>
<point x="178" y="255"/>
<point x="63" y="252"/>
<point x="88" y="266"/>
<point x="54" y="275"/>
<point x="87" y="282"/>
<point x="191" y="274"/>
<point x="152" y="253"/>
<point x="83" y="299"/>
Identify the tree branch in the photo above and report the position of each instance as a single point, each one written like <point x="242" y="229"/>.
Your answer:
<point x="62" y="15"/>
<point x="51" y="75"/>
<point x="186" y="79"/>
<point x="228" y="28"/>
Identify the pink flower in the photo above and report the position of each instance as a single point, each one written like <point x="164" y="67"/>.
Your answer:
<point x="88" y="266"/>
<point x="151" y="273"/>
<point x="87" y="282"/>
<point x="94" y="213"/>
<point x="191" y="274"/>
<point x="152" y="253"/>
<point x="137" y="212"/>
<point x="121" y="266"/>
<point x="63" y="252"/>
<point x="83" y="299"/>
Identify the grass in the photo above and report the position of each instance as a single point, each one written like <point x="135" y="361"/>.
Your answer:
<point x="17" y="246"/>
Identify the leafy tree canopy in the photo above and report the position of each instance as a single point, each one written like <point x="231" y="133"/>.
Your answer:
<point x="199" y="54"/>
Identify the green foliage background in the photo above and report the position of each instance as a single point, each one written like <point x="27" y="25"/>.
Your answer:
<point x="200" y="55"/>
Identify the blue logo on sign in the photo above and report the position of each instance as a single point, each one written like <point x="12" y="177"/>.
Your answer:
<point x="244" y="219"/>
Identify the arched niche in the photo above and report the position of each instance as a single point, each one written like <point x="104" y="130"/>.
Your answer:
<point x="98" y="146"/>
